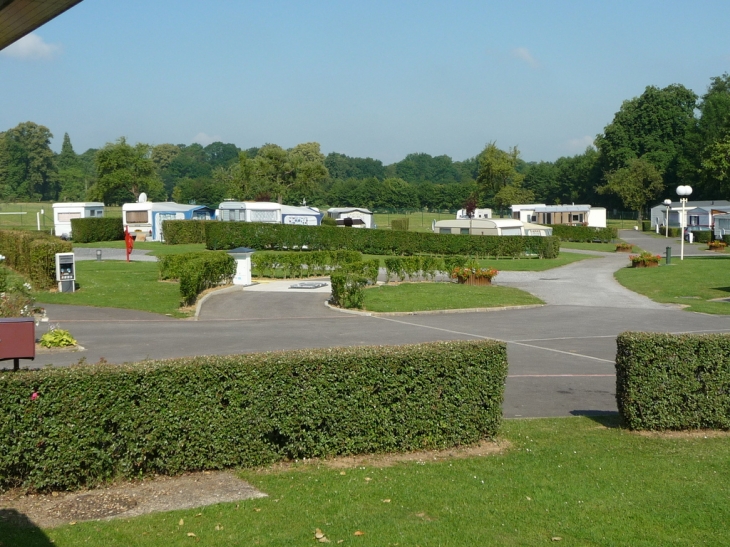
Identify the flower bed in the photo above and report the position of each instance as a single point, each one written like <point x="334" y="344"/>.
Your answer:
<point x="645" y="260"/>
<point x="472" y="275"/>
<point x="717" y="245"/>
<point x="624" y="247"/>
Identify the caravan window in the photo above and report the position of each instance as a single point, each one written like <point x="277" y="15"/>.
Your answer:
<point x="464" y="231"/>
<point x="511" y="231"/>
<point x="137" y="217"/>
<point x="200" y="215"/>
<point x="444" y="230"/>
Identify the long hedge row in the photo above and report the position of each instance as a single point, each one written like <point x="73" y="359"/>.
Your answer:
<point x="88" y="424"/>
<point x="33" y="254"/>
<point x="89" y="230"/>
<point x="584" y="233"/>
<point x="178" y="232"/>
<point x="228" y="235"/>
<point x="666" y="381"/>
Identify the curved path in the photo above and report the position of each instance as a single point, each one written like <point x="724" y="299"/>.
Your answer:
<point x="561" y="355"/>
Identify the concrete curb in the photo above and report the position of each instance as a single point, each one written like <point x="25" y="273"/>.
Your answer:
<point x="431" y="312"/>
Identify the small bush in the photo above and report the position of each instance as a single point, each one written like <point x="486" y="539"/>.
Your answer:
<point x="179" y="232"/>
<point x="675" y="232"/>
<point x="328" y="221"/>
<point x="666" y="381"/>
<point x="88" y="230"/>
<point x="57" y="338"/>
<point x="347" y="289"/>
<point x="646" y="226"/>
<point x="400" y="224"/>
<point x="703" y="236"/>
<point x="197" y="271"/>
<point x="64" y="428"/>
<point x="586" y="234"/>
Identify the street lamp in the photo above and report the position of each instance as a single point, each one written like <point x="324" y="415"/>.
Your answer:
<point x="668" y="203"/>
<point x="683" y="192"/>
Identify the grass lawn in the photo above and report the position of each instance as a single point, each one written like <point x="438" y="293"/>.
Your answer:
<point x="692" y="281"/>
<point x="442" y="296"/>
<point x="155" y="248"/>
<point x="568" y="478"/>
<point x="119" y="284"/>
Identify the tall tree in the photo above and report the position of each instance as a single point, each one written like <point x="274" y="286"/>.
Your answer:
<point x="71" y="174"/>
<point x="636" y="184"/>
<point x="27" y="167"/>
<point x="497" y="169"/>
<point x="124" y="172"/>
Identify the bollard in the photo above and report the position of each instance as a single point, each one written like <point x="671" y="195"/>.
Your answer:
<point x="669" y="256"/>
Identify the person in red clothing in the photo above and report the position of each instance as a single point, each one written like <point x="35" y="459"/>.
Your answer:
<point x="129" y="241"/>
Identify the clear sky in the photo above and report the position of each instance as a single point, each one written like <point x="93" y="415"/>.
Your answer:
<point x="365" y="78"/>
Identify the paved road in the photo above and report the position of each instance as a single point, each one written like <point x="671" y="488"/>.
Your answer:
<point x="561" y="355"/>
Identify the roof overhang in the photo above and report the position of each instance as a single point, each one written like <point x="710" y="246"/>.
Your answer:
<point x="21" y="17"/>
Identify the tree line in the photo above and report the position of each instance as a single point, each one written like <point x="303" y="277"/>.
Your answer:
<point x="656" y="141"/>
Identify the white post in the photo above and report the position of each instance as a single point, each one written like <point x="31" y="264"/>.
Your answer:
<point x="682" y="226"/>
<point x="38" y="220"/>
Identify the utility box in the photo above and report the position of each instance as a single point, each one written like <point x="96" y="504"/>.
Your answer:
<point x="17" y="339"/>
<point x="66" y="272"/>
<point x="242" y="256"/>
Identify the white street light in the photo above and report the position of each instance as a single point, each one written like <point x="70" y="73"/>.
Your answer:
<point x="668" y="203"/>
<point x="683" y="192"/>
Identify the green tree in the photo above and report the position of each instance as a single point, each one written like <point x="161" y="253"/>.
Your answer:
<point x="636" y="184"/>
<point x="27" y="167"/>
<point x="716" y="162"/>
<point x="497" y="169"/>
<point x="124" y="172"/>
<point x="511" y="194"/>
<point x="71" y="176"/>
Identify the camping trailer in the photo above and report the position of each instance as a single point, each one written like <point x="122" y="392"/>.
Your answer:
<point x="64" y="212"/>
<point x="361" y="218"/>
<point x="144" y="219"/>
<point x="490" y="227"/>
<point x="478" y="213"/>
<point x="264" y="211"/>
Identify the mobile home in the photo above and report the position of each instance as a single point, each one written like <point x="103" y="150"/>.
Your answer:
<point x="490" y="227"/>
<point x="64" y="212"/>
<point x="571" y="215"/>
<point x="144" y="219"/>
<point x="275" y="213"/>
<point x="461" y="214"/>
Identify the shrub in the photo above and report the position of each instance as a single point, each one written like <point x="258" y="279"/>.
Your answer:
<point x="33" y="254"/>
<point x="88" y="230"/>
<point x="227" y="235"/>
<point x="300" y="264"/>
<point x="666" y="381"/>
<point x="347" y="289"/>
<point x="584" y="233"/>
<point x="368" y="269"/>
<point x="64" y="428"/>
<point x="57" y="338"/>
<point x="646" y="226"/>
<point x="675" y="232"/>
<point x="328" y="221"/>
<point x="197" y="271"/>
<point x="179" y="232"/>
<point x="400" y="224"/>
<point x="716" y="245"/>
<point x="702" y="236"/>
<point x="726" y="239"/>
<point x="16" y="300"/>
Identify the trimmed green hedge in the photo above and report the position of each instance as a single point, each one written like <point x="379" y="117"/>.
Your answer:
<point x="703" y="236"/>
<point x="302" y="264"/>
<point x="178" y="232"/>
<point x="584" y="233"/>
<point x="228" y="235"/>
<point x="88" y="230"/>
<point x="666" y="381"/>
<point x="646" y="226"/>
<point x="197" y="271"/>
<point x="726" y="239"/>
<point x="400" y="224"/>
<point x="33" y="254"/>
<point x="90" y="424"/>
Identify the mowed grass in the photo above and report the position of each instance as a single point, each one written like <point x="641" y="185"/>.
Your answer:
<point x="691" y="282"/>
<point x="409" y="297"/>
<point x="564" y="481"/>
<point x="119" y="284"/>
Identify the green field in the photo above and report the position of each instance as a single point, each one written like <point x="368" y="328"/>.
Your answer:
<point x="565" y="481"/>
<point x="409" y="297"/>
<point x="691" y="282"/>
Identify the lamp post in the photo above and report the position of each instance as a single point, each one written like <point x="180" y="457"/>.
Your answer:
<point x="668" y="203"/>
<point x="683" y="192"/>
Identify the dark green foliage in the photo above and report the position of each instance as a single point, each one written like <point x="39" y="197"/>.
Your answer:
<point x="302" y="264"/>
<point x="399" y="224"/>
<point x="88" y="230"/>
<point x="367" y="269"/>
<point x="33" y="254"/>
<point x="646" y="226"/>
<point x="197" y="271"/>
<point x="666" y="381"/>
<point x="584" y="233"/>
<point x="228" y="235"/>
<point x="347" y="289"/>
<point x="703" y="236"/>
<point x="726" y="239"/>
<point x="328" y="221"/>
<point x="675" y="232"/>
<point x="180" y="232"/>
<point x="96" y="423"/>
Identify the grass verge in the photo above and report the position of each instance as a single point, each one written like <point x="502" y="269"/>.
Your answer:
<point x="692" y="282"/>
<point x="119" y="284"/>
<point x="407" y="297"/>
<point x="562" y="478"/>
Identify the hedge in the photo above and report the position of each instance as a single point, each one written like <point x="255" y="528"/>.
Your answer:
<point x="33" y="254"/>
<point x="93" y="423"/>
<point x="88" y="230"/>
<point x="677" y="382"/>
<point x="703" y="236"/>
<point x="228" y="235"/>
<point x="646" y="226"/>
<point x="400" y="224"/>
<point x="302" y="264"/>
<point x="178" y="232"/>
<point x="726" y="239"/>
<point x="584" y="233"/>
<point x="197" y="271"/>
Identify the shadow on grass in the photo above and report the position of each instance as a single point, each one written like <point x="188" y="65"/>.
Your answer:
<point x="17" y="529"/>
<point x="607" y="418"/>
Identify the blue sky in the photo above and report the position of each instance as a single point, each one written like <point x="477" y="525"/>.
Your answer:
<point x="379" y="79"/>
